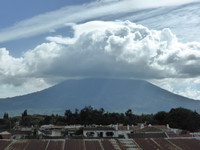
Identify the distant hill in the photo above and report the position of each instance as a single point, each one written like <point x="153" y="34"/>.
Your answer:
<point x="111" y="94"/>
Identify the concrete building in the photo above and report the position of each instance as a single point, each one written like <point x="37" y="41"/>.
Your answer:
<point x="99" y="132"/>
<point x="5" y="135"/>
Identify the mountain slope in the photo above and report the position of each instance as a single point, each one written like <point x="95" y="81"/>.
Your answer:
<point x="111" y="94"/>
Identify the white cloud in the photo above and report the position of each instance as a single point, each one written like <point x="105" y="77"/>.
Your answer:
<point x="106" y="49"/>
<point x="10" y="65"/>
<point x="183" y="20"/>
<point x="41" y="58"/>
<point x="57" y="19"/>
<point x="186" y="87"/>
<point x="24" y="86"/>
<point x="60" y="40"/>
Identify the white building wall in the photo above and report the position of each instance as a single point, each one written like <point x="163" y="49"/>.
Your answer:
<point x="56" y="133"/>
<point x="97" y="133"/>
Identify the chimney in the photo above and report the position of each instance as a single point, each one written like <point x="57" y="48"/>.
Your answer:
<point x="116" y="126"/>
<point x="168" y="126"/>
<point x="128" y="127"/>
<point x="142" y="126"/>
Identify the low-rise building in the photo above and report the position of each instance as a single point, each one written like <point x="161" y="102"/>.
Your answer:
<point x="5" y="135"/>
<point x="99" y="132"/>
<point x="51" y="131"/>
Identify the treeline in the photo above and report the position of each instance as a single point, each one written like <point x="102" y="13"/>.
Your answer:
<point x="176" y="118"/>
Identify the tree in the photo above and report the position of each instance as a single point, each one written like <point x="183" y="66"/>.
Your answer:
<point x="5" y="116"/>
<point x="24" y="114"/>
<point x="26" y="120"/>
<point x="130" y="117"/>
<point x="161" y="118"/>
<point x="184" y="119"/>
<point x="68" y="115"/>
<point x="129" y="113"/>
<point x="86" y="115"/>
<point x="102" y="111"/>
<point x="47" y="120"/>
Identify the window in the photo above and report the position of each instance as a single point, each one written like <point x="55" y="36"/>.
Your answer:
<point x="110" y="134"/>
<point x="90" y="134"/>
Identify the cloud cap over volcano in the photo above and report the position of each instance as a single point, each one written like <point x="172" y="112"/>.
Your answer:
<point x="103" y="49"/>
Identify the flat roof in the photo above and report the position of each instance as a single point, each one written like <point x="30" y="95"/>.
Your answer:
<point x="98" y="128"/>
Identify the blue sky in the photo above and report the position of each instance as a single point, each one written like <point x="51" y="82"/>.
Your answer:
<point x="42" y="41"/>
<point x="23" y="9"/>
<point x="11" y="14"/>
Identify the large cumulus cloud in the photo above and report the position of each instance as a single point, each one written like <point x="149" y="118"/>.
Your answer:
<point x="126" y="49"/>
<point x="104" y="49"/>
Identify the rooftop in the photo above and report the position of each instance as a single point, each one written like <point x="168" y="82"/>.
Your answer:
<point x="149" y="129"/>
<point x="98" y="128"/>
<point x="101" y="144"/>
<point x="5" y="133"/>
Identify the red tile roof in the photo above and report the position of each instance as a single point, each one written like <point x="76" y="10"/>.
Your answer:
<point x="101" y="144"/>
